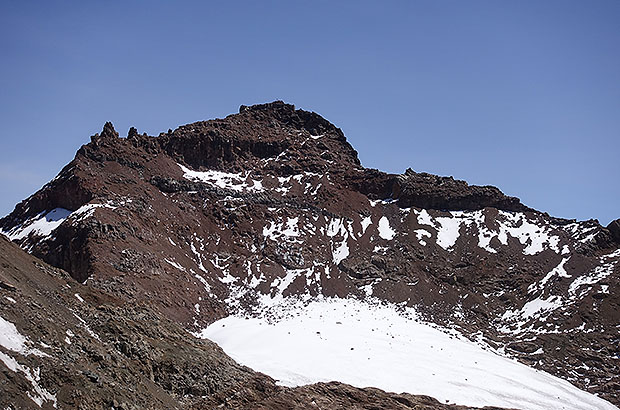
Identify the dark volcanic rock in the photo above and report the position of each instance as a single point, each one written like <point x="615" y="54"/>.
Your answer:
<point x="614" y="229"/>
<point x="260" y="133"/>
<point x="340" y="396"/>
<point x="428" y="191"/>
<point x="98" y="351"/>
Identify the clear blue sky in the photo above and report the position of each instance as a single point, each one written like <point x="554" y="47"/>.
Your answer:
<point x="523" y="95"/>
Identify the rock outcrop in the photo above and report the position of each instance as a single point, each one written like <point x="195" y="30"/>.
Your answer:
<point x="614" y="230"/>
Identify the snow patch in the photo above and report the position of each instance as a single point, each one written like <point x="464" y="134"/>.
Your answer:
<point x="557" y="271"/>
<point x="365" y="222"/>
<point x="448" y="233"/>
<point x="289" y="229"/>
<point x="12" y="340"/>
<point x="606" y="268"/>
<point x="532" y="234"/>
<point x="385" y="230"/>
<point x="355" y="342"/>
<point x="227" y="180"/>
<point x="176" y="265"/>
<point x="86" y="211"/>
<point x="41" y="225"/>
<point x="341" y="252"/>
<point x="420" y="234"/>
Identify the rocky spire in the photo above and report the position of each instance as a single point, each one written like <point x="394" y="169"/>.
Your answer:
<point x="133" y="132"/>
<point x="108" y="131"/>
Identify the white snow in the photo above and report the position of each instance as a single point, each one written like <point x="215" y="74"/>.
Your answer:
<point x="200" y="265"/>
<point x="87" y="210"/>
<point x="385" y="230"/>
<point x="365" y="222"/>
<point x="557" y="271"/>
<point x="420" y="234"/>
<point x="485" y="235"/>
<point x="341" y="252"/>
<point x="424" y="218"/>
<point x="176" y="265"/>
<point x="12" y="340"/>
<point x="373" y="345"/>
<point x="69" y="334"/>
<point x="83" y="322"/>
<point x="447" y="227"/>
<point x="42" y="225"/>
<point x="291" y="227"/>
<point x="537" y="305"/>
<point x="227" y="180"/>
<point x="336" y="226"/>
<point x="291" y="274"/>
<point x="203" y="281"/>
<point x="449" y="231"/>
<point x="275" y="231"/>
<point x="40" y="395"/>
<point x="534" y="235"/>
<point x="606" y="268"/>
<point x="515" y="321"/>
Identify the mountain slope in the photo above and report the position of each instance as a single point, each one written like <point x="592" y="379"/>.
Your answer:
<point x="66" y="345"/>
<point x="217" y="217"/>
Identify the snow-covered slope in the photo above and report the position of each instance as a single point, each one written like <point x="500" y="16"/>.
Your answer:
<point x="379" y="345"/>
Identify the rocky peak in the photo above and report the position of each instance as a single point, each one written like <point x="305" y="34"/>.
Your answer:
<point x="108" y="133"/>
<point x="287" y="114"/>
<point x="132" y="133"/>
<point x="278" y="105"/>
<point x="271" y="137"/>
<point x="614" y="230"/>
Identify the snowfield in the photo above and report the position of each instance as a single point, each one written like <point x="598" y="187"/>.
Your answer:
<point x="366" y="344"/>
<point x="43" y="224"/>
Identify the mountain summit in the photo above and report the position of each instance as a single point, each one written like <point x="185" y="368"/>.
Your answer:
<point x="231" y="216"/>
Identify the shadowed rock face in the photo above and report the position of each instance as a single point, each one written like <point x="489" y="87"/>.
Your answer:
<point x="274" y="201"/>
<point x="93" y="350"/>
<point x="428" y="191"/>
<point x="614" y="230"/>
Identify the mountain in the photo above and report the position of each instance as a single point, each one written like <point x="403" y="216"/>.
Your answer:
<point x="270" y="206"/>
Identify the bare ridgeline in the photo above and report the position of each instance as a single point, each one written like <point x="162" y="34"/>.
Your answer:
<point x="140" y="239"/>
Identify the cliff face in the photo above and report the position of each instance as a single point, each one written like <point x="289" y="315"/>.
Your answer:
<point x="212" y="217"/>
